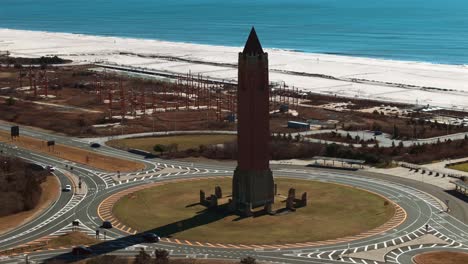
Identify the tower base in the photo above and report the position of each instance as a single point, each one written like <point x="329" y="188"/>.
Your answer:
<point x="252" y="189"/>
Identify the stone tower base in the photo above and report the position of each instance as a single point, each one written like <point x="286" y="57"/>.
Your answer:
<point x="252" y="189"/>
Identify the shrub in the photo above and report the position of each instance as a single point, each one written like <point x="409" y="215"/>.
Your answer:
<point x="248" y="260"/>
<point x="160" y="148"/>
<point x="162" y="256"/>
<point x="142" y="257"/>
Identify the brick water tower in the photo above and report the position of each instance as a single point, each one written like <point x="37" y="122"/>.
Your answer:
<point x="252" y="184"/>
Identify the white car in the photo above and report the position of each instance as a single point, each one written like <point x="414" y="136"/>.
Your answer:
<point x="67" y="188"/>
<point x="50" y="168"/>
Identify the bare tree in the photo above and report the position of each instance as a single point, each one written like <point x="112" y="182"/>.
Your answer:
<point x="162" y="256"/>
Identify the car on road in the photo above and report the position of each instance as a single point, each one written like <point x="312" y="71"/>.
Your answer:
<point x="50" y="168"/>
<point x="81" y="250"/>
<point x="151" y="237"/>
<point x="95" y="145"/>
<point x="67" y="188"/>
<point x="106" y="224"/>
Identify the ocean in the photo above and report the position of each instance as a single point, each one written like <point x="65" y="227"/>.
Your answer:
<point x="433" y="31"/>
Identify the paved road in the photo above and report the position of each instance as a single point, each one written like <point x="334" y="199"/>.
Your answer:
<point x="422" y="208"/>
<point x="384" y="140"/>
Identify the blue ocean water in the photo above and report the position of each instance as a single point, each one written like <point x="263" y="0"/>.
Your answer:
<point x="416" y="30"/>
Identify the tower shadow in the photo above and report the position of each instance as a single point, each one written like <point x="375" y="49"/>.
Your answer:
<point x="201" y="218"/>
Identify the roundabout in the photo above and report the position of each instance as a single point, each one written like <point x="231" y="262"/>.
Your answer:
<point x="389" y="245"/>
<point x="172" y="210"/>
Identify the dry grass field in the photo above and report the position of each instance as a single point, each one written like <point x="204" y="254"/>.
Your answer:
<point x="6" y="74"/>
<point x="334" y="211"/>
<point x="71" y="239"/>
<point x="442" y="257"/>
<point x="184" y="142"/>
<point x="74" y="154"/>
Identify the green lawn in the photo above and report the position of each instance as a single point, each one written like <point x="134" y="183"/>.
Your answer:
<point x="460" y="167"/>
<point x="334" y="211"/>
<point x="184" y="142"/>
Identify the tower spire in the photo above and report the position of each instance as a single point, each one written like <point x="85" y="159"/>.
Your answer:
<point x="253" y="46"/>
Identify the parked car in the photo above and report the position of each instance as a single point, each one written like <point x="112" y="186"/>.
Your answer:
<point x="81" y="250"/>
<point x="151" y="237"/>
<point x="67" y="188"/>
<point x="106" y="224"/>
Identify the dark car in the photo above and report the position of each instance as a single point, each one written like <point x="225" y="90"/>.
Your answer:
<point x="95" y="145"/>
<point x="106" y="224"/>
<point x="151" y="237"/>
<point x="81" y="250"/>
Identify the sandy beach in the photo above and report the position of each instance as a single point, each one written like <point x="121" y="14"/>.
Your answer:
<point x="386" y="80"/>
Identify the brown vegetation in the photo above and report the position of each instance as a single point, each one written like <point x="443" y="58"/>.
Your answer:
<point x="90" y="158"/>
<point x="171" y="143"/>
<point x="17" y="62"/>
<point x="20" y="185"/>
<point x="71" y="239"/>
<point x="401" y="128"/>
<point x="50" y="118"/>
<point x="284" y="146"/>
<point x="321" y="99"/>
<point x="441" y="257"/>
<point x="80" y="107"/>
<point x="50" y="192"/>
<point x="337" y="137"/>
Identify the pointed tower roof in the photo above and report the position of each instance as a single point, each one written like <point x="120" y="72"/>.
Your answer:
<point x="253" y="46"/>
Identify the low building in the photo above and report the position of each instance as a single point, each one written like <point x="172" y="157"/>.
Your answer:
<point x="323" y="124"/>
<point x="298" y="125"/>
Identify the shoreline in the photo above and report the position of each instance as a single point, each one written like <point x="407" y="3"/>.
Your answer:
<point x="274" y="49"/>
<point x="238" y="48"/>
<point x="406" y="82"/>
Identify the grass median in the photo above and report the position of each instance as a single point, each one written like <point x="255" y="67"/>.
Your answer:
<point x="333" y="211"/>
<point x="73" y="238"/>
<point x="184" y="142"/>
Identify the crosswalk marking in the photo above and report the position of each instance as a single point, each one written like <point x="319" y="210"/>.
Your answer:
<point x="109" y="181"/>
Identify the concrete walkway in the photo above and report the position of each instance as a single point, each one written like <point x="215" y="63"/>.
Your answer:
<point x="384" y="140"/>
<point x="439" y="181"/>
<point x="440" y="166"/>
<point x="102" y="140"/>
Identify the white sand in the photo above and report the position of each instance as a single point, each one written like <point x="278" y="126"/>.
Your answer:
<point x="82" y="48"/>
